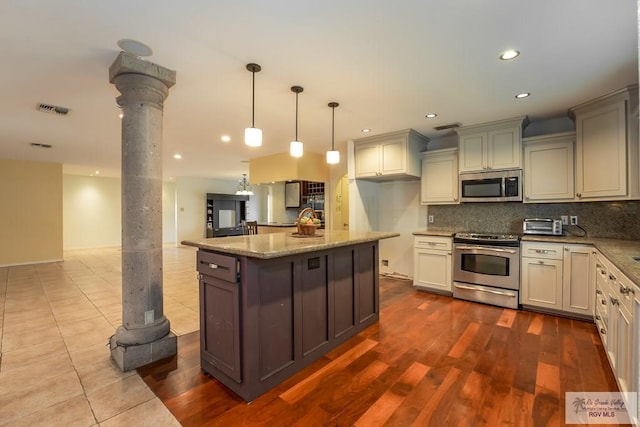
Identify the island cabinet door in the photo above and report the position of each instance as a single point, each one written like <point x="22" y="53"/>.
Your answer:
<point x="275" y="317"/>
<point x="315" y="303"/>
<point x="343" y="291"/>
<point x="220" y="314"/>
<point x="366" y="279"/>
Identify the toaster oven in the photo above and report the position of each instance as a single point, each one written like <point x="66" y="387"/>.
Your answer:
<point x="546" y="226"/>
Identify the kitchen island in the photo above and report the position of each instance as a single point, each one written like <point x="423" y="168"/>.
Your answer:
<point x="272" y="304"/>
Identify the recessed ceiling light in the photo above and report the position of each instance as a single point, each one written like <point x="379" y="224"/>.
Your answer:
<point x="225" y="138"/>
<point x="523" y="95"/>
<point x="366" y="130"/>
<point x="135" y="47"/>
<point x="509" y="54"/>
<point x="97" y="172"/>
<point x="177" y="156"/>
<point x="431" y="115"/>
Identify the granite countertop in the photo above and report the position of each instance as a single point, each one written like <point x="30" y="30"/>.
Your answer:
<point x="619" y="251"/>
<point x="276" y="245"/>
<point x="433" y="233"/>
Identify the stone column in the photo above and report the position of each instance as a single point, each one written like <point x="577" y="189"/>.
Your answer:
<point x="144" y="335"/>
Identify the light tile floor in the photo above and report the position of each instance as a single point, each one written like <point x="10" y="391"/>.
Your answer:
<point x="55" y="323"/>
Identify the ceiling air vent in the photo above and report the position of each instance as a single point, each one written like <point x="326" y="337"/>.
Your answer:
<point x="449" y="126"/>
<point x="53" y="109"/>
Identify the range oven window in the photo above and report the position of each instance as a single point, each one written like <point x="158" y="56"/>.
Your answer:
<point x="485" y="264"/>
<point x="482" y="187"/>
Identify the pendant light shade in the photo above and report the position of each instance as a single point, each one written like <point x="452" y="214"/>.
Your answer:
<point x="296" y="147"/>
<point x="333" y="156"/>
<point x="244" y="189"/>
<point x="253" y="135"/>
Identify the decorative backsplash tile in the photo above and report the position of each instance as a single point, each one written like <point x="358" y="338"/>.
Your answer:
<point x="619" y="220"/>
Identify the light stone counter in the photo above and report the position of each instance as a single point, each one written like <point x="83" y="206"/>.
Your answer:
<point x="620" y="252"/>
<point x="274" y="245"/>
<point x="433" y="233"/>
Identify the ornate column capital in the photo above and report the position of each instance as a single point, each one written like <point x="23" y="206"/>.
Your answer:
<point x="127" y="63"/>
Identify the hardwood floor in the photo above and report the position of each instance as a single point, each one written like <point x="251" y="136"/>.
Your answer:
<point x="431" y="360"/>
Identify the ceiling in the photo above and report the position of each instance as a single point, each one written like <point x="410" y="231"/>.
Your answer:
<point x="386" y="63"/>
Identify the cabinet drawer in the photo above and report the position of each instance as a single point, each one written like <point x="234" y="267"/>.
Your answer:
<point x="542" y="250"/>
<point x="432" y="242"/>
<point x="625" y="292"/>
<point x="219" y="266"/>
<point x="600" y="316"/>
<point x="602" y="330"/>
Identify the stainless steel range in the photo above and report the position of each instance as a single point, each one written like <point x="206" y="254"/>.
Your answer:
<point x="486" y="268"/>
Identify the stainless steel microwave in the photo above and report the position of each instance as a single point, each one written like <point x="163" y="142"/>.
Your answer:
<point x="494" y="186"/>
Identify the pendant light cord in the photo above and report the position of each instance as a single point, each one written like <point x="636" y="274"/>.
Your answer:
<point x="333" y="106"/>
<point x="296" y="116"/>
<point x="253" y="98"/>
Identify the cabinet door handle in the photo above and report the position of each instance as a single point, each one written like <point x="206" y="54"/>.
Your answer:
<point x="566" y="249"/>
<point x="624" y="290"/>
<point x="579" y="195"/>
<point x="598" y="291"/>
<point x="598" y="317"/>
<point x="614" y="301"/>
<point x="603" y="331"/>
<point x="448" y="253"/>
<point x="540" y="262"/>
<point x="612" y="277"/>
<point x="603" y="302"/>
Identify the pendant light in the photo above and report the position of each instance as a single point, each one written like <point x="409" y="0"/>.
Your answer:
<point x="253" y="135"/>
<point x="244" y="189"/>
<point x="333" y="156"/>
<point x="296" y="147"/>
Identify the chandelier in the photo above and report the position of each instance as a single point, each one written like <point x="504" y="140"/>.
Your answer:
<point x="244" y="189"/>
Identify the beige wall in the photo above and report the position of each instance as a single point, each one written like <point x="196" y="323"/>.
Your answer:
<point x="30" y="212"/>
<point x="93" y="214"/>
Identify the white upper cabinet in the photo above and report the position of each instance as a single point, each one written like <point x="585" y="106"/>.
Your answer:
<point x="607" y="147"/>
<point x="389" y="156"/>
<point x="491" y="146"/>
<point x="439" y="183"/>
<point x="548" y="168"/>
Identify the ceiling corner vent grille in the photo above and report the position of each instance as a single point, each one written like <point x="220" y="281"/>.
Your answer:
<point x="449" y="126"/>
<point x="53" y="109"/>
<point x="39" y="145"/>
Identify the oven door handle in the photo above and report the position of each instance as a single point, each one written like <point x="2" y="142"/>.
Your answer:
<point x="471" y="288"/>
<point x="484" y="248"/>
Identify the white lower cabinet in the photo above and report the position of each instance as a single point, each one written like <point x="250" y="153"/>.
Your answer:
<point x="557" y="277"/>
<point x="617" y="316"/>
<point x="432" y="263"/>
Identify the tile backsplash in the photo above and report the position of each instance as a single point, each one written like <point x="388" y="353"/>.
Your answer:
<point x="619" y="220"/>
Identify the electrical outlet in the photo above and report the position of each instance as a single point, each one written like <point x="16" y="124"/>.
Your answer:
<point x="149" y="317"/>
<point x="385" y="263"/>
<point x="565" y="219"/>
<point x="430" y="219"/>
<point x="574" y="220"/>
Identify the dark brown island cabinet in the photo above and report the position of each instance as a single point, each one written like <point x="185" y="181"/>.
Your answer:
<point x="272" y="304"/>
